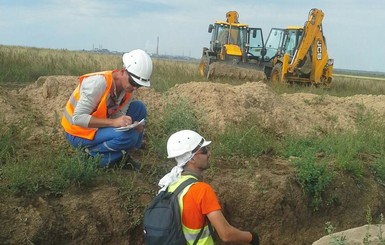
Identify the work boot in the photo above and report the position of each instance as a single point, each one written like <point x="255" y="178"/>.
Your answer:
<point x="129" y="163"/>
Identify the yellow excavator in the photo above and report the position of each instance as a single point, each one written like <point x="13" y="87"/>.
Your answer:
<point x="299" y="54"/>
<point x="232" y="43"/>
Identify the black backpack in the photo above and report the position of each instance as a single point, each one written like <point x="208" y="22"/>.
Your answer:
<point x="162" y="219"/>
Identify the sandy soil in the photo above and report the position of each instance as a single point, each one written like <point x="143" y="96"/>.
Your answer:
<point x="263" y="196"/>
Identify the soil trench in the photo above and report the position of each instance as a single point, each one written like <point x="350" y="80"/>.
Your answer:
<point x="264" y="196"/>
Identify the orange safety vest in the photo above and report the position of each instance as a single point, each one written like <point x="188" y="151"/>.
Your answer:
<point x="100" y="111"/>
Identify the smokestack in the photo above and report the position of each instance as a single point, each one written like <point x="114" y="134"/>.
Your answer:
<point x="157" y="46"/>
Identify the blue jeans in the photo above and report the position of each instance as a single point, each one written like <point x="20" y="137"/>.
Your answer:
<point x="109" y="144"/>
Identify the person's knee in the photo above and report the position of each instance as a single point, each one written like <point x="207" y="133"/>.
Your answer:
<point x="140" y="106"/>
<point x="137" y="110"/>
<point x="128" y="139"/>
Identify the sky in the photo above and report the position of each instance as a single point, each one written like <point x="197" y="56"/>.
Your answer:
<point x="354" y="29"/>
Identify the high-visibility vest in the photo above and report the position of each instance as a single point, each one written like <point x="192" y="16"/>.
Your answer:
<point x="100" y="111"/>
<point x="191" y="234"/>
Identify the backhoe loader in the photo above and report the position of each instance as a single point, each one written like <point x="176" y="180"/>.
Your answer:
<point x="233" y="44"/>
<point x="299" y="54"/>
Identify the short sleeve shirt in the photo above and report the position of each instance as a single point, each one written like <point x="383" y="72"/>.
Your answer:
<point x="199" y="200"/>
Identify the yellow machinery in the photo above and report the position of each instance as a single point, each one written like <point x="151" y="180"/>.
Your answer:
<point x="299" y="54"/>
<point x="232" y="43"/>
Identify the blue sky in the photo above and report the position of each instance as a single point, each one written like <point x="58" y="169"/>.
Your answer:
<point x="354" y="29"/>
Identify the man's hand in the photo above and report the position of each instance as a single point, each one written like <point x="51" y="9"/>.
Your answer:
<point x="122" y="121"/>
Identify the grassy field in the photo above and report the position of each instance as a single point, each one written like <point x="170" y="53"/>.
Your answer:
<point x="21" y="65"/>
<point x="54" y="169"/>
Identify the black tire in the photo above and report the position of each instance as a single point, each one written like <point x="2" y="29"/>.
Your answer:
<point x="276" y="74"/>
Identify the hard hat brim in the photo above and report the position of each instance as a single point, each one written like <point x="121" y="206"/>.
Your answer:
<point x="205" y="143"/>
<point x="142" y="83"/>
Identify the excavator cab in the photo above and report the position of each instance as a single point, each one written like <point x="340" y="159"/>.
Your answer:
<point x="291" y="38"/>
<point x="228" y="41"/>
<point x="273" y="43"/>
<point x="282" y="41"/>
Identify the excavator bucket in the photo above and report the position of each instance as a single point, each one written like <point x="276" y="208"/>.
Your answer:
<point x="220" y="69"/>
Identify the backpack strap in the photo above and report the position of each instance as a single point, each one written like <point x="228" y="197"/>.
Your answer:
<point x="184" y="184"/>
<point x="211" y="230"/>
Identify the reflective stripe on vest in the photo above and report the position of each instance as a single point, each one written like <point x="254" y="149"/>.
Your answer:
<point x="100" y="111"/>
<point x="191" y="234"/>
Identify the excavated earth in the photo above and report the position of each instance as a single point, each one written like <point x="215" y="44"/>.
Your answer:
<point x="264" y="195"/>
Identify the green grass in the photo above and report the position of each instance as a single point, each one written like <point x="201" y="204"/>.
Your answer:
<point x="176" y="116"/>
<point x="25" y="65"/>
<point x="318" y="158"/>
<point x="340" y="87"/>
<point x="129" y="193"/>
<point x="168" y="73"/>
<point x="246" y="139"/>
<point x="54" y="172"/>
<point x="7" y="144"/>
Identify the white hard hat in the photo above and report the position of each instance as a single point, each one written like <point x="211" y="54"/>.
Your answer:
<point x="139" y="65"/>
<point x="184" y="141"/>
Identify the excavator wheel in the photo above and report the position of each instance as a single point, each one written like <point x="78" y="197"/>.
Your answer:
<point x="276" y="74"/>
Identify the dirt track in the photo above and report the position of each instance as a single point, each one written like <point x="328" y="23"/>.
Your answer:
<point x="263" y="195"/>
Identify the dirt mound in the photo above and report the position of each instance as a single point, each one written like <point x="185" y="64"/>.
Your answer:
<point x="265" y="194"/>
<point x="219" y="104"/>
<point x="223" y="104"/>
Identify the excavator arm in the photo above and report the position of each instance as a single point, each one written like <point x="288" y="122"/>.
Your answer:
<point x="313" y="47"/>
<point x="312" y="28"/>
